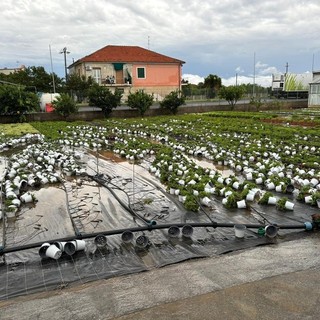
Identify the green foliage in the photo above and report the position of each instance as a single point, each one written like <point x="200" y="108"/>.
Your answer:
<point x="15" y="100"/>
<point x="265" y="198"/>
<point x="79" y="86"/>
<point x="212" y="82"/>
<point x="173" y="101"/>
<point x="141" y="101"/>
<point x="35" y="79"/>
<point x="103" y="98"/>
<point x="256" y="102"/>
<point x="281" y="204"/>
<point x="191" y="203"/>
<point x="231" y="94"/>
<point x="64" y="105"/>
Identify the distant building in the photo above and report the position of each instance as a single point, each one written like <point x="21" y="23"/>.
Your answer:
<point x="7" y="71"/>
<point x="131" y="68"/>
<point x="314" y="91"/>
<point x="291" y="85"/>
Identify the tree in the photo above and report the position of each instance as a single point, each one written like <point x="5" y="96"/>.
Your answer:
<point x="14" y="100"/>
<point x="64" y="105"/>
<point x="173" y="101"/>
<point x="34" y="79"/>
<point x="79" y="86"/>
<point x="231" y="94"/>
<point x="103" y="98"/>
<point x="213" y="83"/>
<point x="140" y="101"/>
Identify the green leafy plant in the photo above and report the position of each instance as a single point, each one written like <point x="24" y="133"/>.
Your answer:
<point x="141" y="101"/>
<point x="281" y="204"/>
<point x="64" y="105"/>
<point x="103" y="98"/>
<point x="173" y="101"/>
<point x="264" y="199"/>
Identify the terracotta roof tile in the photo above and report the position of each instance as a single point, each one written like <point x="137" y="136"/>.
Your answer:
<point x="112" y="53"/>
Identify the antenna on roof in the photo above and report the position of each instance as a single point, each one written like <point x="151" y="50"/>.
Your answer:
<point x="287" y="67"/>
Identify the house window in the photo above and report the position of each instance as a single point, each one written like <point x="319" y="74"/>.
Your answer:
<point x="315" y="89"/>
<point x="141" y="73"/>
<point x="96" y="75"/>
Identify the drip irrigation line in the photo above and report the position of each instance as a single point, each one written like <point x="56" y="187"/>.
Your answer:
<point x="149" y="228"/>
<point x="204" y="211"/>
<point x="75" y="228"/>
<point x="103" y="182"/>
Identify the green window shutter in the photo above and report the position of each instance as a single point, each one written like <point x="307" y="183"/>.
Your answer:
<point x="141" y="73"/>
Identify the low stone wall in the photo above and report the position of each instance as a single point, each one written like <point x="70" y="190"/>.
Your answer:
<point x="130" y="113"/>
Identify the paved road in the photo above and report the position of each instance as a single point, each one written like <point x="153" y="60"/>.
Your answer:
<point x="278" y="281"/>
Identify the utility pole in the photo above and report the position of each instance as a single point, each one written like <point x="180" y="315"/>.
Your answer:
<point x="53" y="83"/>
<point x="65" y="52"/>
<point x="254" y="74"/>
<point x="287" y="67"/>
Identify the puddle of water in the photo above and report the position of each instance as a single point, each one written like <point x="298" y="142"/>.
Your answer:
<point x="223" y="170"/>
<point x="109" y="155"/>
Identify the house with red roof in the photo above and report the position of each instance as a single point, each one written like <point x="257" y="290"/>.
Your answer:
<point x="131" y="68"/>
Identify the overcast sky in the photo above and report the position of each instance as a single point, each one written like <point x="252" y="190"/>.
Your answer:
<point x="248" y="38"/>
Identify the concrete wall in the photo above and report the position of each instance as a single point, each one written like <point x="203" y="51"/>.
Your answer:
<point x="129" y="113"/>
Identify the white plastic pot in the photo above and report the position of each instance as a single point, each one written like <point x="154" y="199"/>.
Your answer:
<point x="43" y="249"/>
<point x="272" y="200"/>
<point x="235" y="185"/>
<point x="308" y="199"/>
<point x="53" y="252"/>
<point x="205" y="201"/>
<point x="241" y="204"/>
<point x="250" y="196"/>
<point x="27" y="198"/>
<point x="239" y="230"/>
<point x="270" y="186"/>
<point x="289" y="205"/>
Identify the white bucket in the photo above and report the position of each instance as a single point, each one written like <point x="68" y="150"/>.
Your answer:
<point x="289" y="205"/>
<point x="43" y="249"/>
<point x="205" y="201"/>
<point x="235" y="185"/>
<point x="279" y="188"/>
<point x="70" y="248"/>
<point x="308" y="199"/>
<point x="272" y="200"/>
<point x="53" y="252"/>
<point x="270" y="186"/>
<point x="259" y="180"/>
<point x="60" y="245"/>
<point x="241" y="204"/>
<point x="80" y="245"/>
<point x="27" y="198"/>
<point x="250" y="196"/>
<point x="239" y="230"/>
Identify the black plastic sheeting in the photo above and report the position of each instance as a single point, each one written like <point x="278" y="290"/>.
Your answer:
<point x="84" y="206"/>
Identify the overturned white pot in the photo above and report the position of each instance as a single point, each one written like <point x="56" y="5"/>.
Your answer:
<point x="205" y="201"/>
<point x="27" y="197"/>
<point x="289" y="205"/>
<point x="53" y="252"/>
<point x="272" y="200"/>
<point x="241" y="204"/>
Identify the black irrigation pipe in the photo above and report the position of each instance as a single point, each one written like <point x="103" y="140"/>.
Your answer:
<point x="147" y="228"/>
<point x="99" y="179"/>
